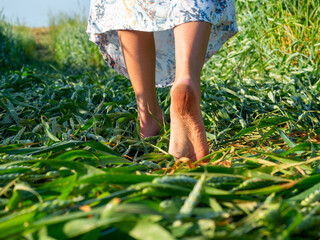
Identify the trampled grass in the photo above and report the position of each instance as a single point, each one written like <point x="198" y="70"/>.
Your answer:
<point x="72" y="164"/>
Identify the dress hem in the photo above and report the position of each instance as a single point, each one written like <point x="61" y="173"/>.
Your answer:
<point x="143" y="29"/>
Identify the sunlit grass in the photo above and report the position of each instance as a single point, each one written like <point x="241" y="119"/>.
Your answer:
<point x="70" y="45"/>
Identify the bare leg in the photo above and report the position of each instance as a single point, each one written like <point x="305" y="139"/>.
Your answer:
<point x="187" y="134"/>
<point x="138" y="49"/>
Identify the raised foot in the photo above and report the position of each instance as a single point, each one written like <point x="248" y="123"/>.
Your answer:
<point x="187" y="134"/>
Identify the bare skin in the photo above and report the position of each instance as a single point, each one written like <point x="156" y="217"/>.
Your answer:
<point x="187" y="134"/>
<point x="139" y="53"/>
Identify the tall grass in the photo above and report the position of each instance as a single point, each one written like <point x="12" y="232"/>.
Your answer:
<point x="277" y="39"/>
<point x="25" y="39"/>
<point x="17" y="45"/>
<point x="70" y="45"/>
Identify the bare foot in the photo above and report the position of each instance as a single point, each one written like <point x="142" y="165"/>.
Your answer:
<point x="187" y="132"/>
<point x="149" y="126"/>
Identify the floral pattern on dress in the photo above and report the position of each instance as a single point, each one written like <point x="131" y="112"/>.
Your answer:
<point x="160" y="17"/>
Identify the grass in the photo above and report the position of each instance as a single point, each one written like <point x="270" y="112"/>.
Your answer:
<point x="72" y="164"/>
<point x="70" y="45"/>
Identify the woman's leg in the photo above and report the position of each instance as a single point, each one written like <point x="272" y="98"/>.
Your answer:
<point x="139" y="54"/>
<point x="187" y="134"/>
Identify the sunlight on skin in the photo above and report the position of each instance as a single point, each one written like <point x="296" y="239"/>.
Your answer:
<point x="188" y="137"/>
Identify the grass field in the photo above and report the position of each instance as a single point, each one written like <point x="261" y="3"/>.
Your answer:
<point x="73" y="166"/>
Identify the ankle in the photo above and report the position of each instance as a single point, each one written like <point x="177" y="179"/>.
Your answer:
<point x="147" y="111"/>
<point x="150" y="123"/>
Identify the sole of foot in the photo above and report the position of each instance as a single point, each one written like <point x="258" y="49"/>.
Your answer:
<point x="187" y="132"/>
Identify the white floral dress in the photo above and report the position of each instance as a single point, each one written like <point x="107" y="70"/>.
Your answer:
<point x="160" y="17"/>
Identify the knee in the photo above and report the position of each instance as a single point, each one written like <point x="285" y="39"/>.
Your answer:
<point x="185" y="96"/>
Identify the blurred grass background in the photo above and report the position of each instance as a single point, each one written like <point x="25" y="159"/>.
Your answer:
<point x="64" y="44"/>
<point x="276" y="39"/>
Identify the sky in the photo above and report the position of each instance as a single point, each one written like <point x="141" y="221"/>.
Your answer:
<point x="35" y="13"/>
